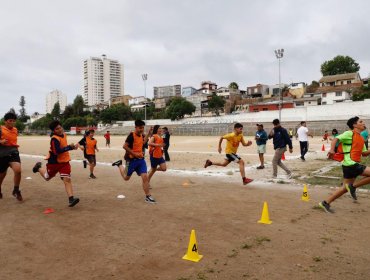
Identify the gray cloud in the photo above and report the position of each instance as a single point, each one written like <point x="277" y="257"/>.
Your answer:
<point x="44" y="43"/>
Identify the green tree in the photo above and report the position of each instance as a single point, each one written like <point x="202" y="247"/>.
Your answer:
<point x="55" y="113"/>
<point x="216" y="104"/>
<point x="42" y="123"/>
<point x="339" y="65"/>
<point x="179" y="107"/>
<point x="118" y="112"/>
<point x="74" y="121"/>
<point x="22" y="112"/>
<point x="361" y="94"/>
<point x="233" y="85"/>
<point x="78" y="106"/>
<point x="68" y="112"/>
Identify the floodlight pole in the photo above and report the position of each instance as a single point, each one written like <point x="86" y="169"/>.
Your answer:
<point x="145" y="78"/>
<point x="279" y="53"/>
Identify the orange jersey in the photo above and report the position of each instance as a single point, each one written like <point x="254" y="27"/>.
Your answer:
<point x="156" y="152"/>
<point x="90" y="145"/>
<point x="62" y="157"/>
<point x="11" y="135"/>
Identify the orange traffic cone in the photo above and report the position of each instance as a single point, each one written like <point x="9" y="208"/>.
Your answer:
<point x="283" y="156"/>
<point x="323" y="148"/>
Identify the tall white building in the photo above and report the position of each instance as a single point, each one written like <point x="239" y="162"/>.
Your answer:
<point x="54" y="97"/>
<point x="103" y="79"/>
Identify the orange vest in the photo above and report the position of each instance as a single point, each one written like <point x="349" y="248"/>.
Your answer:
<point x="90" y="146"/>
<point x="137" y="147"/>
<point x="357" y="145"/>
<point x="63" y="157"/>
<point x="10" y="135"/>
<point x="156" y="152"/>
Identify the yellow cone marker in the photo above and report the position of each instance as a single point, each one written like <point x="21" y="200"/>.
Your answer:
<point x="305" y="196"/>
<point x="265" y="219"/>
<point x="192" y="254"/>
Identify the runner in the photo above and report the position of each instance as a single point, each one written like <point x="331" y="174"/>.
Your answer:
<point x="302" y="135"/>
<point x="156" y="146"/>
<point x="280" y="139"/>
<point x="261" y="139"/>
<point x="9" y="155"/>
<point x="233" y="139"/>
<point x="325" y="137"/>
<point x="166" y="138"/>
<point x="107" y="139"/>
<point x="89" y="145"/>
<point x="353" y="147"/>
<point x="134" y="157"/>
<point x="58" y="160"/>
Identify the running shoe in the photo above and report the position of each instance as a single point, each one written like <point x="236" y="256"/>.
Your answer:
<point x="247" y="181"/>
<point x="261" y="167"/>
<point x="92" y="176"/>
<point x="290" y="175"/>
<point x="17" y="195"/>
<point x="208" y="163"/>
<point x="117" y="163"/>
<point x="73" y="201"/>
<point x="352" y="191"/>
<point x="150" y="199"/>
<point x="36" y="168"/>
<point x="326" y="206"/>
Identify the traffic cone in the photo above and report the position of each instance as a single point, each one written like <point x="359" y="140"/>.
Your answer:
<point x="323" y="148"/>
<point x="305" y="196"/>
<point x="265" y="219"/>
<point x="48" y="211"/>
<point x="192" y="254"/>
<point x="283" y="156"/>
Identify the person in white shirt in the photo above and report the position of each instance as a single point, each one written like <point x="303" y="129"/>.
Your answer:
<point x="302" y="135"/>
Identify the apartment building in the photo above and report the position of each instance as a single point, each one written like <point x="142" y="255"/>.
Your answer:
<point x="54" y="97"/>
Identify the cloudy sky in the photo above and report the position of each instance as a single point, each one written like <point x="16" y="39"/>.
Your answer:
<point x="43" y="43"/>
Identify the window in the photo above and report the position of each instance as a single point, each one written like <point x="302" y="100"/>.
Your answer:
<point x="348" y="82"/>
<point x="338" y="93"/>
<point x="265" y="109"/>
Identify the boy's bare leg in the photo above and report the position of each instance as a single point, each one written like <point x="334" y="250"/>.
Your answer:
<point x="241" y="168"/>
<point x="224" y="163"/>
<point x="144" y="178"/>
<point x="123" y="173"/>
<point x="151" y="173"/>
<point x="16" y="167"/>
<point x="68" y="186"/>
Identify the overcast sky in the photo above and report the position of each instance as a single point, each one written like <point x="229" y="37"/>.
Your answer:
<point x="43" y="43"/>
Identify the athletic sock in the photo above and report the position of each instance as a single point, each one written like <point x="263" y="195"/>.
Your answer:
<point x="16" y="188"/>
<point x="71" y="198"/>
<point x="244" y="178"/>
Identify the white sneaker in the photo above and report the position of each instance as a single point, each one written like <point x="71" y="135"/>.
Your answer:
<point x="290" y="175"/>
<point x="150" y="199"/>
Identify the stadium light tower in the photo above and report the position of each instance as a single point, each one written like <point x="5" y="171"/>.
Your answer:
<point x="145" y="78"/>
<point x="279" y="55"/>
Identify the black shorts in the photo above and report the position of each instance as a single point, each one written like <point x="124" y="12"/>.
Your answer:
<point x="107" y="141"/>
<point x="233" y="157"/>
<point x="91" y="159"/>
<point x="351" y="172"/>
<point x="5" y="161"/>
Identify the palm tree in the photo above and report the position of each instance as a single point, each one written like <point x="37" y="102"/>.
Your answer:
<point x="233" y="85"/>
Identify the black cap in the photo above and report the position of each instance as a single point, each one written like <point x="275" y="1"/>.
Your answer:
<point x="259" y="124"/>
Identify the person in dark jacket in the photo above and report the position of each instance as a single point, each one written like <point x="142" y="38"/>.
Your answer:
<point x="261" y="139"/>
<point x="166" y="140"/>
<point x="280" y="139"/>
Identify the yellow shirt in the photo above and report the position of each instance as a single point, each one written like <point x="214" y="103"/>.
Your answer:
<point x="232" y="143"/>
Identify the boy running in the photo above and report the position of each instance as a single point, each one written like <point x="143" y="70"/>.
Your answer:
<point x="9" y="155"/>
<point x="58" y="161"/>
<point x="233" y="139"/>
<point x="353" y="145"/>
<point x="89" y="145"/>
<point x="134" y="157"/>
<point x="156" y="145"/>
<point x="107" y="139"/>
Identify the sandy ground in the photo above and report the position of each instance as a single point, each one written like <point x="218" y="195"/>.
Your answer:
<point x="107" y="238"/>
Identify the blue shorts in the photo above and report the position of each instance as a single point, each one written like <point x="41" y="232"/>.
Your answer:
<point x="137" y="165"/>
<point x="154" y="162"/>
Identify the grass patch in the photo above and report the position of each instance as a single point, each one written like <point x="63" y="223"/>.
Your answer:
<point x="233" y="254"/>
<point x="281" y="182"/>
<point x="246" y="246"/>
<point x="321" y="181"/>
<point x="317" y="259"/>
<point x="261" y="239"/>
